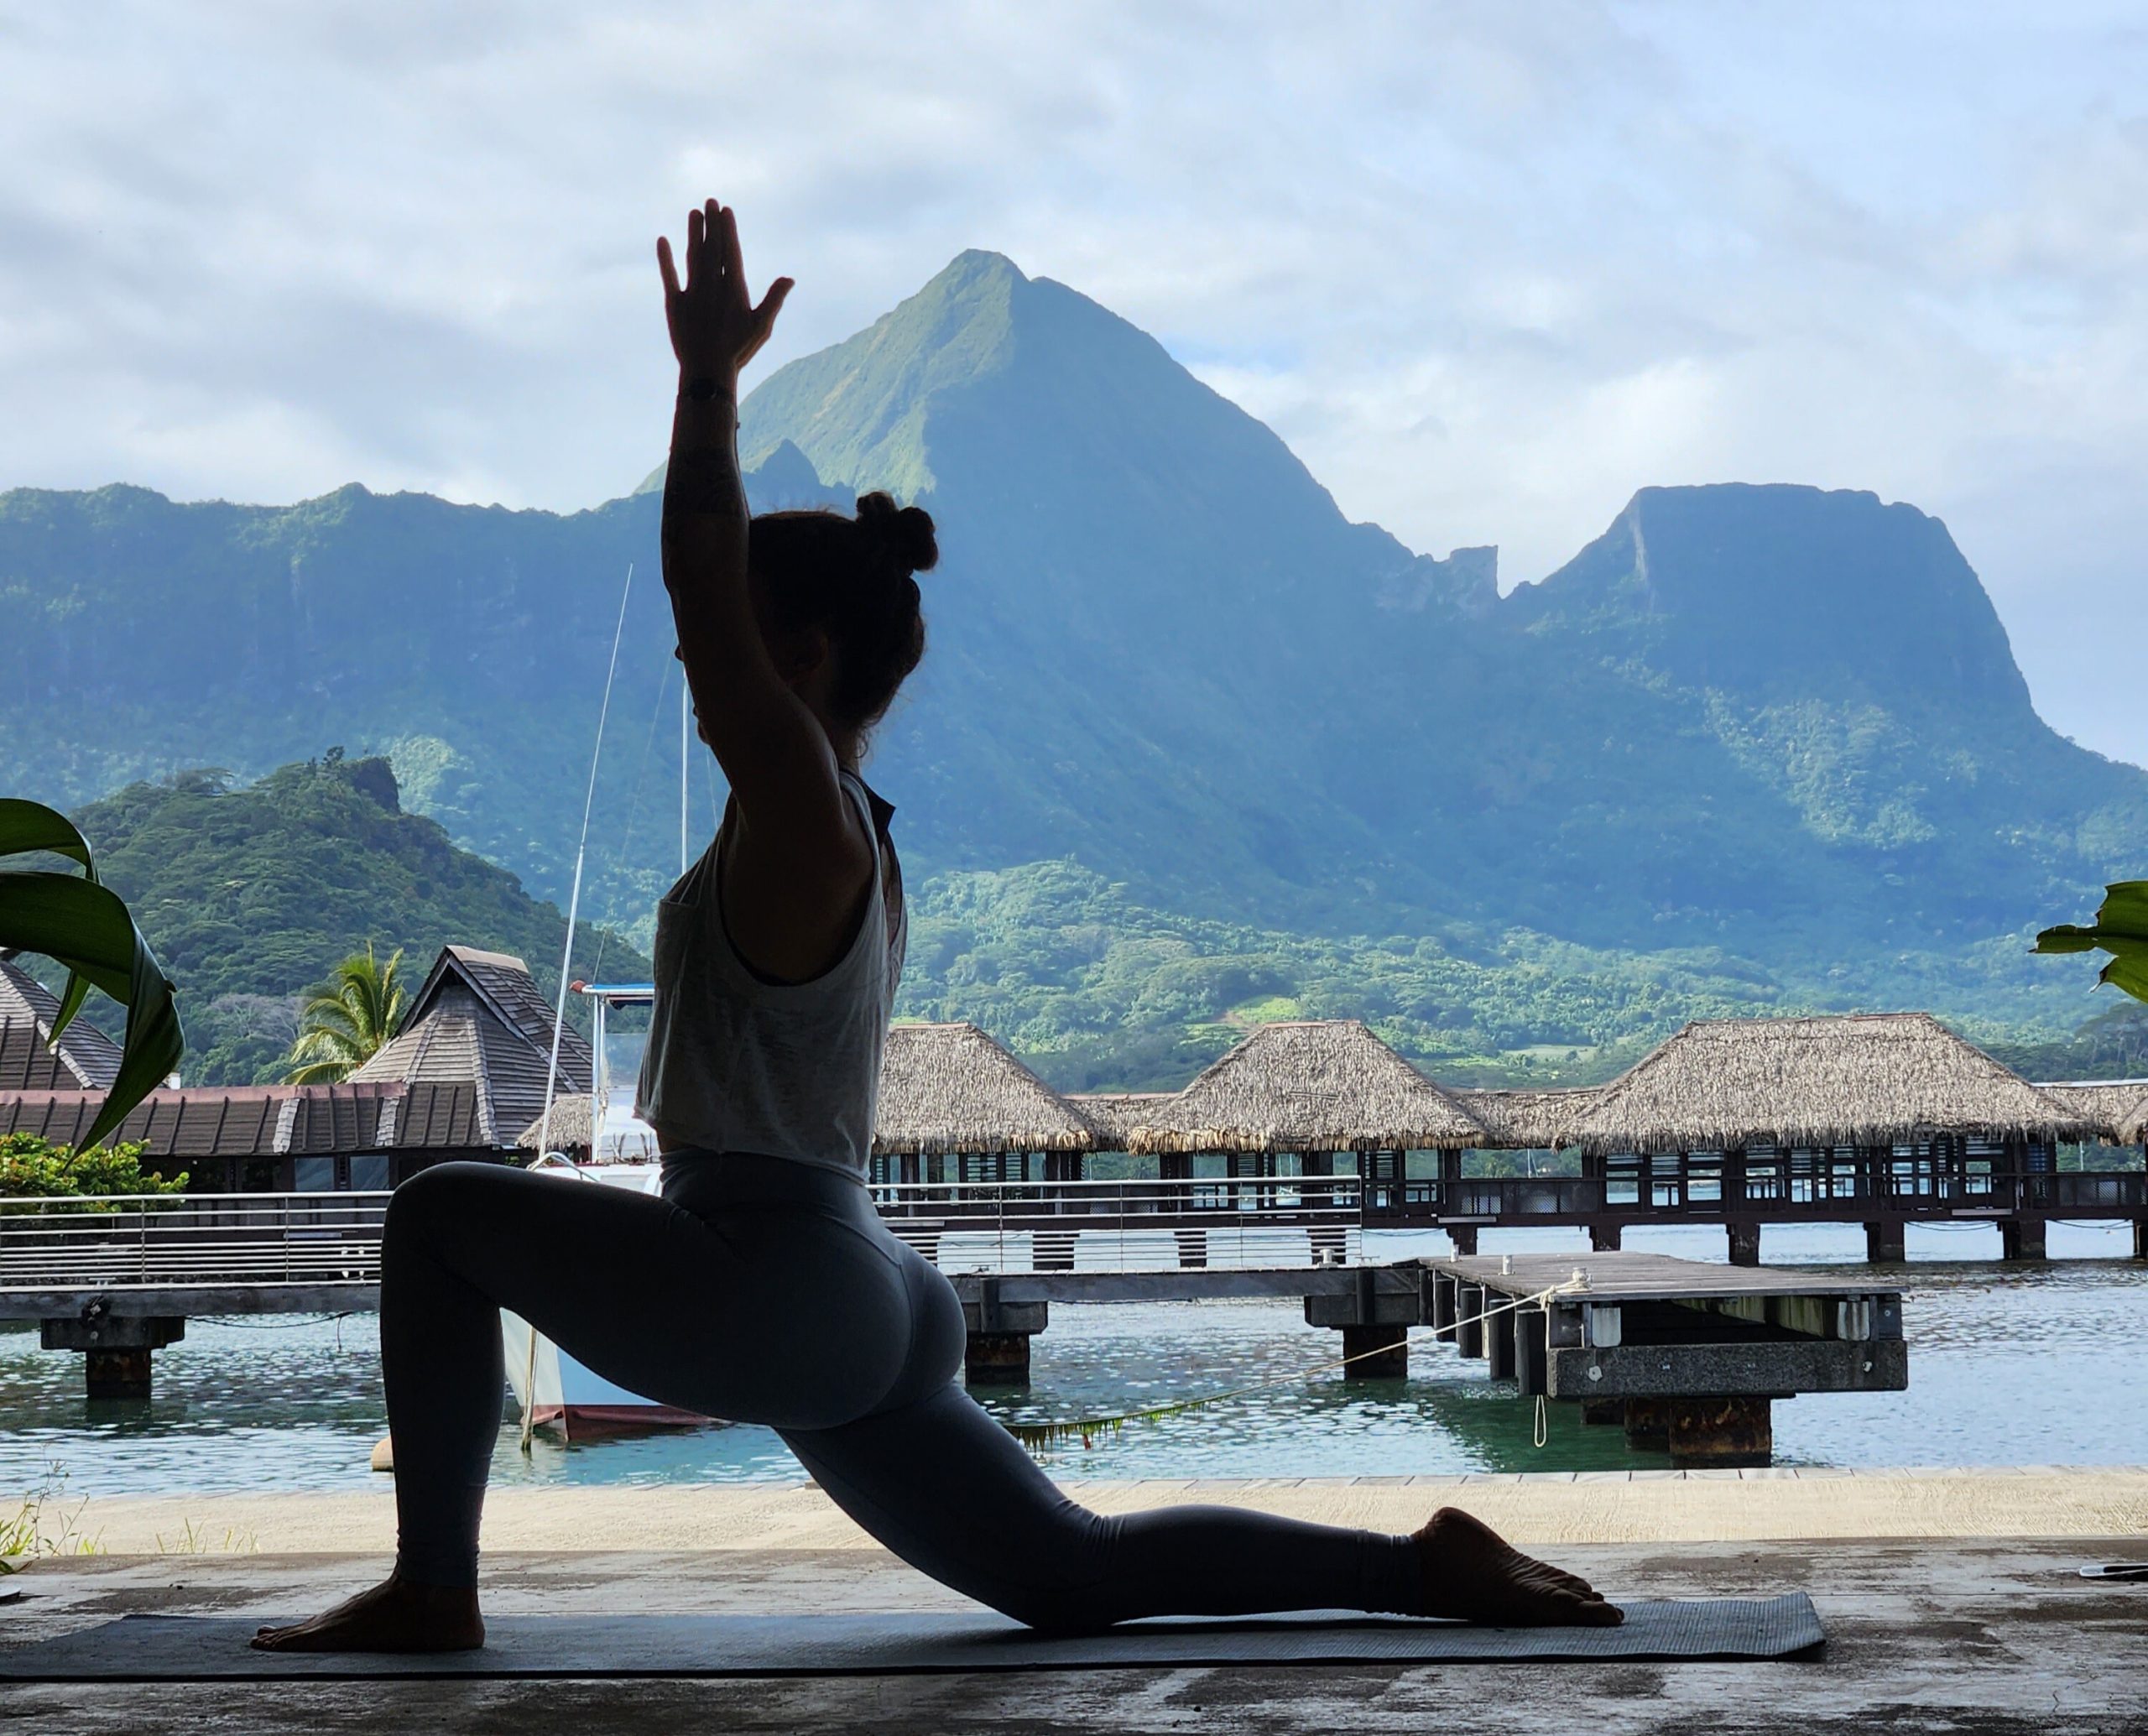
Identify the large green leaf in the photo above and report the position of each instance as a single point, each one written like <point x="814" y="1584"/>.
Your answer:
<point x="2120" y="929"/>
<point x="30" y="826"/>
<point x="87" y="928"/>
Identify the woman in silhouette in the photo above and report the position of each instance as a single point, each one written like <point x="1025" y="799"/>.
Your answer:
<point x="761" y="1286"/>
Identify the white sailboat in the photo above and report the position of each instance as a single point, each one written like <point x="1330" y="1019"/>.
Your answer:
<point x="553" y="1389"/>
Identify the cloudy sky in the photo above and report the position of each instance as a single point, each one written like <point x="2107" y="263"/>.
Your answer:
<point x="1488" y="268"/>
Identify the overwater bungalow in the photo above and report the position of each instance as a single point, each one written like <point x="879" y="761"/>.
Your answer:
<point x="950" y="1092"/>
<point x="1295" y="1094"/>
<point x="1787" y="1117"/>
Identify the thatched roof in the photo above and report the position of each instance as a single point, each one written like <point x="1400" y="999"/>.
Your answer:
<point x="1866" y="1080"/>
<point x="570" y="1128"/>
<point x="1114" y="1115"/>
<point x="1527" y="1120"/>
<point x="1319" y="1085"/>
<point x="2116" y="1110"/>
<point x="948" y="1088"/>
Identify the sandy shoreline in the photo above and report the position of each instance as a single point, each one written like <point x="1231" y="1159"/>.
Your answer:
<point x="1639" y="1506"/>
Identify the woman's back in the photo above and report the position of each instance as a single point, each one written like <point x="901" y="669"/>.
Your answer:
<point x="738" y="1061"/>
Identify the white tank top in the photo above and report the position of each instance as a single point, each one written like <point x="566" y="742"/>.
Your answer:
<point x="736" y="1062"/>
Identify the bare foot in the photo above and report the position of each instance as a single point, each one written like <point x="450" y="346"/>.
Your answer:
<point x="1470" y="1573"/>
<point x="393" y="1616"/>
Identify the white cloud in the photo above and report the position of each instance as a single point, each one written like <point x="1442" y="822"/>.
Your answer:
<point x="1489" y="268"/>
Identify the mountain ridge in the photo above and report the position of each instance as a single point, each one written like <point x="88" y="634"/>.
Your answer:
<point x="1158" y="648"/>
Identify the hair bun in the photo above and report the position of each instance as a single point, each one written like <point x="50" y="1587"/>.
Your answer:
<point x="905" y="535"/>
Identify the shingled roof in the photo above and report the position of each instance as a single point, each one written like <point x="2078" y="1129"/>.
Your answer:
<point x="1869" y="1079"/>
<point x="950" y="1089"/>
<point x="478" y="1018"/>
<point x="85" y="1059"/>
<point x="1314" y="1085"/>
<point x="263" y="1120"/>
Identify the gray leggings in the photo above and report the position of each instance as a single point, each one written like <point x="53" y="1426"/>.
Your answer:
<point x="766" y="1291"/>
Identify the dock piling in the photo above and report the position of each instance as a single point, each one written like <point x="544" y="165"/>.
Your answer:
<point x="1443" y="1308"/>
<point x="1499" y="1332"/>
<point x="116" y="1347"/>
<point x="1886" y="1244"/>
<point x="1744" y="1243"/>
<point x="1604" y="1238"/>
<point x="1468" y="1319"/>
<point x="1532" y="1350"/>
<point x="1721" y="1434"/>
<point x="1648" y="1424"/>
<point x="1382" y="1350"/>
<point x="996" y="1352"/>
<point x="2021" y="1238"/>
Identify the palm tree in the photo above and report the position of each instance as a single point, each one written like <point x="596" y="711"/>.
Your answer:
<point x="348" y="1019"/>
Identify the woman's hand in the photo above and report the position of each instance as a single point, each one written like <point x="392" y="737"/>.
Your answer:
<point x="715" y="329"/>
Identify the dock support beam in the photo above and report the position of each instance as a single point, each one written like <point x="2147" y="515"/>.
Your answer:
<point x="2021" y="1238"/>
<point x="1464" y="1237"/>
<point x="995" y="1352"/>
<point x="1384" y="1350"/>
<point x="115" y="1351"/>
<point x="1745" y="1243"/>
<point x="1885" y="1243"/>
<point x="2141" y="1238"/>
<point x="1192" y="1249"/>
<point x="1603" y="1237"/>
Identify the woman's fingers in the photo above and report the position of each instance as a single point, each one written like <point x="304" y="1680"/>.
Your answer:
<point x="771" y="305"/>
<point x="665" y="266"/>
<point x="734" y="262"/>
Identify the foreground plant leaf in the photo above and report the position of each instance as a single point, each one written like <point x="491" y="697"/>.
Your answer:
<point x="2120" y="929"/>
<point x="87" y="928"/>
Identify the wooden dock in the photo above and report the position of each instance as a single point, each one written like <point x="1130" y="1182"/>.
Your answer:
<point x="1687" y="1356"/>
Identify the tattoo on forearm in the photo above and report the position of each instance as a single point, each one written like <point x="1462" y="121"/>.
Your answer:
<point x="704" y="479"/>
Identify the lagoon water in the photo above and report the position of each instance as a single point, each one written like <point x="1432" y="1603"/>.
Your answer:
<point x="2021" y="1364"/>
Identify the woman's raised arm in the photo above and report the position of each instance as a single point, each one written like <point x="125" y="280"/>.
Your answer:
<point x="775" y="753"/>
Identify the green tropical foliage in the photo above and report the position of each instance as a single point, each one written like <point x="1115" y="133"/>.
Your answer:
<point x="2120" y="929"/>
<point x="349" y="1019"/>
<point x="32" y="1168"/>
<point x="83" y="926"/>
<point x="253" y="894"/>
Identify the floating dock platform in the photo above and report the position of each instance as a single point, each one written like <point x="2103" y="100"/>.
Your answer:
<point x="1687" y="1356"/>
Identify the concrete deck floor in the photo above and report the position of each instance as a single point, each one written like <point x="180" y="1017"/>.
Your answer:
<point x="1961" y="1634"/>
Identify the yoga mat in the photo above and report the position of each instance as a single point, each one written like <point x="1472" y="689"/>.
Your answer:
<point x="184" y="1648"/>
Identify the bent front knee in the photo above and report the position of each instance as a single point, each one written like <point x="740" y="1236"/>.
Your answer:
<point x="441" y="1195"/>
